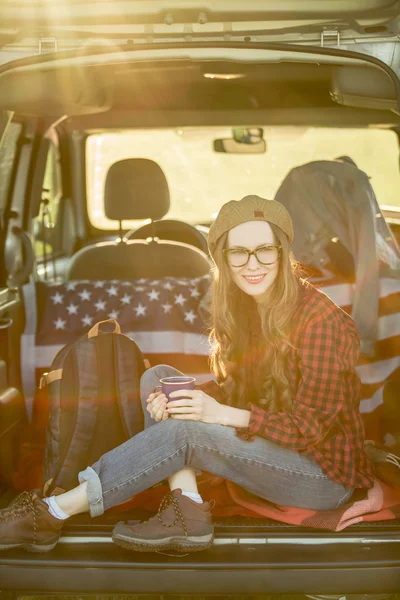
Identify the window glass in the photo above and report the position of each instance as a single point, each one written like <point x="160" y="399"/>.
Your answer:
<point x="44" y="223"/>
<point x="8" y="150"/>
<point x="201" y="180"/>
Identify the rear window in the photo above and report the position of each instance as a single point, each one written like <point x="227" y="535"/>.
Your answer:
<point x="201" y="180"/>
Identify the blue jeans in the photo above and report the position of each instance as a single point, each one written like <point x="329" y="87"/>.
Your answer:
<point x="274" y="473"/>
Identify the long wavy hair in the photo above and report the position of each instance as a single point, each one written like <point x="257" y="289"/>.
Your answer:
<point x="250" y="344"/>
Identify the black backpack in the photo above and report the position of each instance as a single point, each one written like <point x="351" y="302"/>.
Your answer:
<point x="93" y="391"/>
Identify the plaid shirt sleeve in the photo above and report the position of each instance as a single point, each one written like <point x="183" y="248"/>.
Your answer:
<point x="325" y="353"/>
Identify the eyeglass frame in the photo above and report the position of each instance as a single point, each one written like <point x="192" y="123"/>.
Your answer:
<point x="252" y="253"/>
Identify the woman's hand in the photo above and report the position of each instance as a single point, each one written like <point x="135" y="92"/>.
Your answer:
<point x="156" y="406"/>
<point x="196" y="406"/>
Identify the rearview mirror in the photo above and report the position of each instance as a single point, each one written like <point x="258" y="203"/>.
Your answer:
<point x="243" y="141"/>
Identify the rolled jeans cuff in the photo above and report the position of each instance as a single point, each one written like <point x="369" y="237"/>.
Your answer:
<point x="94" y="491"/>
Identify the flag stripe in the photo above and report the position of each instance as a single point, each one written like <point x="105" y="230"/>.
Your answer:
<point x="369" y="389"/>
<point x="342" y="293"/>
<point x="384" y="350"/>
<point x="378" y="371"/>
<point x="368" y="405"/>
<point x="182" y="362"/>
<point x="166" y="342"/>
<point x="387" y="306"/>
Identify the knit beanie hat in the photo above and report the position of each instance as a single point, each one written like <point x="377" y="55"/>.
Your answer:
<point x="249" y="208"/>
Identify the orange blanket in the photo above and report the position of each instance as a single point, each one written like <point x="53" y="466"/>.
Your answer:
<point x="380" y="503"/>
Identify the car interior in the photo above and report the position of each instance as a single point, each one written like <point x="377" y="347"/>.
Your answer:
<point x="113" y="166"/>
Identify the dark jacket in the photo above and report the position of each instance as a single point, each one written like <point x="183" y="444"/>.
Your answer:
<point x="332" y="199"/>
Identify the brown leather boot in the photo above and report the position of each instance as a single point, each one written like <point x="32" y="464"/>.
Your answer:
<point x="27" y="524"/>
<point x="180" y="524"/>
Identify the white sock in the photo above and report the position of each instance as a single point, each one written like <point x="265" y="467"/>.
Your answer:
<point x="193" y="496"/>
<point x="54" y="509"/>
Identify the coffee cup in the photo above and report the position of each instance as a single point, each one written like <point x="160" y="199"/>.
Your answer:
<point x="172" y="384"/>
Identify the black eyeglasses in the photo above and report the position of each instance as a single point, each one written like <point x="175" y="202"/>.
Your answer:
<point x="239" y="257"/>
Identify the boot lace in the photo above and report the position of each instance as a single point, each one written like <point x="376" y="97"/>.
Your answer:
<point x="392" y="458"/>
<point x="167" y="501"/>
<point x="22" y="505"/>
<point x="379" y="455"/>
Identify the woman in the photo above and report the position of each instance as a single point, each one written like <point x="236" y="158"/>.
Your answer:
<point x="284" y="422"/>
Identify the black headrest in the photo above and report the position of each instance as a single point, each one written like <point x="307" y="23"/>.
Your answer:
<point x="135" y="188"/>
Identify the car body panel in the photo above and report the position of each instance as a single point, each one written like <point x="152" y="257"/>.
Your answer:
<point x="52" y="37"/>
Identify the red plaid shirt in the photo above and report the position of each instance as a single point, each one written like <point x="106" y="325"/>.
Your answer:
<point x="325" y="423"/>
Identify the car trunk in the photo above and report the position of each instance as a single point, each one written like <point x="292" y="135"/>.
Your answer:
<point x="94" y="70"/>
<point x="249" y="556"/>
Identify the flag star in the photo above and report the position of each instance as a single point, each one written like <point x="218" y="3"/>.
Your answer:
<point x="112" y="291"/>
<point x="113" y="314"/>
<point x="180" y="299"/>
<point x="139" y="288"/>
<point x="70" y="286"/>
<point x="100" y="305"/>
<point x="141" y="281"/>
<point x="168" y="286"/>
<point x="114" y="280"/>
<point x="57" y="298"/>
<point x="153" y="295"/>
<point x="85" y="295"/>
<point x="140" y="310"/>
<point x="126" y="299"/>
<point x="126" y="283"/>
<point x="156" y="282"/>
<point x="60" y="323"/>
<point x="190" y="316"/>
<point x="167" y="307"/>
<point x="194" y="293"/>
<point x="87" y="320"/>
<point x="99" y="284"/>
<point x="72" y="309"/>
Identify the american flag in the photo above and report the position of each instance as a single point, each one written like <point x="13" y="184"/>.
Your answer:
<point x="163" y="318"/>
<point x="143" y="305"/>
<point x="385" y="364"/>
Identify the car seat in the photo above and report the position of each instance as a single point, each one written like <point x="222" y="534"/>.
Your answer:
<point x="137" y="189"/>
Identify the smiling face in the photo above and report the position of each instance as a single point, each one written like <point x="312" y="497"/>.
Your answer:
<point x="253" y="278"/>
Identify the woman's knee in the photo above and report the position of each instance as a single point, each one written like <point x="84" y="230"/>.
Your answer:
<point x="185" y="432"/>
<point x="151" y="377"/>
<point x="150" y="380"/>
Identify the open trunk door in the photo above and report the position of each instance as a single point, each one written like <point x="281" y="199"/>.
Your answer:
<point x="70" y="60"/>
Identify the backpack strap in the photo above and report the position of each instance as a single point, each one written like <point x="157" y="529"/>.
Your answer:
<point x="129" y="367"/>
<point x="49" y="377"/>
<point x="77" y="448"/>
